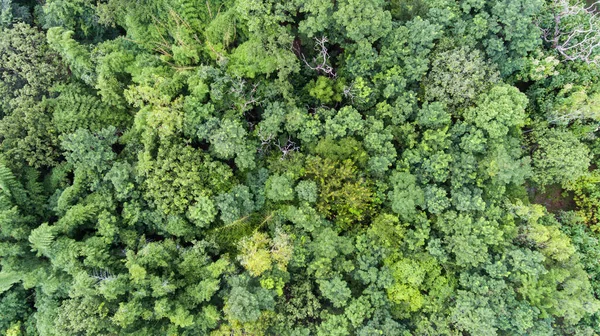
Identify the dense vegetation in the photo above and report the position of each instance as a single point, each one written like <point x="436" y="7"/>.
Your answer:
<point x="299" y="167"/>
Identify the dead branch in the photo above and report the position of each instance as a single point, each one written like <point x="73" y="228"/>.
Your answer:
<point x="265" y="142"/>
<point x="248" y="98"/>
<point x="287" y="148"/>
<point x="580" y="42"/>
<point x="321" y="61"/>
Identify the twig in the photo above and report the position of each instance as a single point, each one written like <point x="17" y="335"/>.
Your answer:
<point x="580" y="42"/>
<point x="321" y="60"/>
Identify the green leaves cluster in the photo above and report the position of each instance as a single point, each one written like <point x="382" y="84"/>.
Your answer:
<point x="263" y="167"/>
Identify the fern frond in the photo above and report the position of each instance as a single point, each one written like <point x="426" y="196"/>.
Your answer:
<point x="5" y="202"/>
<point x="228" y="235"/>
<point x="8" y="279"/>
<point x="41" y="239"/>
<point x="76" y="216"/>
<point x="10" y="187"/>
<point x="35" y="192"/>
<point x="76" y="55"/>
<point x="77" y="108"/>
<point x="189" y="14"/>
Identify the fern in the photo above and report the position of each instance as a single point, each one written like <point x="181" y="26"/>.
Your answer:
<point x="10" y="187"/>
<point x="75" y="55"/>
<point x="7" y="280"/>
<point x="229" y="235"/>
<point x="35" y="192"/>
<point x="190" y="12"/>
<point x="76" y="108"/>
<point x="41" y="239"/>
<point x="113" y="73"/>
<point x="32" y="184"/>
<point x="76" y="216"/>
<point x="5" y="202"/>
<point x="7" y="180"/>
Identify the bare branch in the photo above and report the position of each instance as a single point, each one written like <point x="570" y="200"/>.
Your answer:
<point x="247" y="98"/>
<point x="265" y="142"/>
<point x="321" y="61"/>
<point x="288" y="148"/>
<point x="579" y="42"/>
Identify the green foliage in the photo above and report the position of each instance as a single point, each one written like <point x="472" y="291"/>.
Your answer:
<point x="559" y="157"/>
<point x="15" y="308"/>
<point x="75" y="108"/>
<point x="78" y="16"/>
<point x="75" y="55"/>
<point x="235" y="204"/>
<point x="346" y="122"/>
<point x="279" y="188"/>
<point x="325" y="90"/>
<point x="405" y="195"/>
<point x="41" y="238"/>
<point x="29" y="67"/>
<point x="433" y="116"/>
<point x="307" y="191"/>
<point x="179" y="176"/>
<point x="335" y="290"/>
<point x="363" y="20"/>
<point x="228" y="141"/>
<point x="245" y="304"/>
<point x="258" y="253"/>
<point x="89" y="152"/>
<point x="343" y="193"/>
<point x="457" y="77"/>
<point x="28" y="70"/>
<point x="264" y="167"/>
<point x="499" y="111"/>
<point x="7" y="280"/>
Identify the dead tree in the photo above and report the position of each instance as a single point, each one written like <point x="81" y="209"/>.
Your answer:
<point x="320" y="63"/>
<point x="580" y="41"/>
<point x="287" y="148"/>
<point x="247" y="99"/>
<point x="265" y="142"/>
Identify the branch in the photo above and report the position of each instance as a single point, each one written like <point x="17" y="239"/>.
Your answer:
<point x="580" y="42"/>
<point x="321" y="60"/>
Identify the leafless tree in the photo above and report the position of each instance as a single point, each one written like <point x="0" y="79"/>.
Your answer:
<point x="349" y="92"/>
<point x="579" y="42"/>
<point x="287" y="148"/>
<point x="265" y="142"/>
<point x="320" y="63"/>
<point x="247" y="98"/>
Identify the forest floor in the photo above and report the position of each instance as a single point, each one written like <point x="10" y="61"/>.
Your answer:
<point x="554" y="198"/>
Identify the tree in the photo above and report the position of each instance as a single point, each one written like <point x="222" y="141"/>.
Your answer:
<point x="279" y="188"/>
<point x="499" y="111"/>
<point x="406" y="195"/>
<point x="457" y="77"/>
<point x="559" y="157"/>
<point x="343" y="193"/>
<point x="228" y="141"/>
<point x="179" y="175"/>
<point x="363" y="20"/>
<point x="91" y="152"/>
<point x="267" y="167"/>
<point x="574" y="30"/>
<point x="29" y="69"/>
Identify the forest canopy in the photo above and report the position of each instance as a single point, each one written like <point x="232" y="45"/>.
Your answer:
<point x="299" y="167"/>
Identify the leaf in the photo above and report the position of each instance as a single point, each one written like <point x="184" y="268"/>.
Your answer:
<point x="8" y="279"/>
<point x="41" y="238"/>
